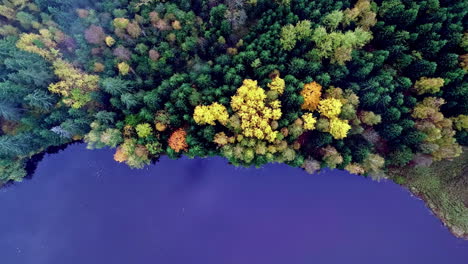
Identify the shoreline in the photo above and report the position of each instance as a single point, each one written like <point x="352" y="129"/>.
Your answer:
<point x="407" y="173"/>
<point x="436" y="212"/>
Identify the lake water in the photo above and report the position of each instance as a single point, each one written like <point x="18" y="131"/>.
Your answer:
<point x="83" y="207"/>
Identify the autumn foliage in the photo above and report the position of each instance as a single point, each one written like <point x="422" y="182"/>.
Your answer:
<point x="177" y="140"/>
<point x="208" y="114"/>
<point x="439" y="141"/>
<point x="311" y="93"/>
<point x="120" y="155"/>
<point x="255" y="113"/>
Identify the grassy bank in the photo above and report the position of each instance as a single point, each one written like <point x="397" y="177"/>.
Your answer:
<point x="444" y="187"/>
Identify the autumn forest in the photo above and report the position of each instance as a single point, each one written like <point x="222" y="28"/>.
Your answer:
<point x="365" y="86"/>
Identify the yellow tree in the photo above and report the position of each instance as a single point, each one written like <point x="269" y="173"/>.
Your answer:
<point x="124" y="68"/>
<point x="428" y="85"/>
<point x="339" y="128"/>
<point x="208" y="114"/>
<point x="311" y="93"/>
<point x="255" y="114"/>
<point x="330" y="107"/>
<point x="74" y="85"/>
<point x="277" y="85"/>
<point x="309" y="121"/>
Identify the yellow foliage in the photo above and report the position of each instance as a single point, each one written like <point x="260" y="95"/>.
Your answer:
<point x="309" y="121"/>
<point x="124" y="68"/>
<point x="176" y="25"/>
<point x="428" y="85"/>
<point x="160" y="127"/>
<point x="460" y="122"/>
<point x="208" y="114"/>
<point x="221" y="139"/>
<point x="330" y="107"/>
<point x="355" y="168"/>
<point x="110" y="41"/>
<point x="339" y="128"/>
<point x="311" y="94"/>
<point x="249" y="102"/>
<point x="27" y="42"/>
<point x="121" y="22"/>
<point x="72" y="78"/>
<point x="277" y="85"/>
<point x="74" y="85"/>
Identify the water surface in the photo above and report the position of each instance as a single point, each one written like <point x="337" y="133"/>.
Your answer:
<point x="82" y="207"/>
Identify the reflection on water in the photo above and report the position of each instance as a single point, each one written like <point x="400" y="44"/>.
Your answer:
<point x="82" y="207"/>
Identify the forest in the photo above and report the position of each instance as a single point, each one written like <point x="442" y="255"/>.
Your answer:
<point x="365" y="86"/>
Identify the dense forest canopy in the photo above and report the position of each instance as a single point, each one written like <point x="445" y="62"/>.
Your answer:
<point x="357" y="85"/>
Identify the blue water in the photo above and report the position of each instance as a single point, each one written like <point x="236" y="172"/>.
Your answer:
<point x="82" y="207"/>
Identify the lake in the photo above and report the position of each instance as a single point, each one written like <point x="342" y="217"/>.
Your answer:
<point x="83" y="207"/>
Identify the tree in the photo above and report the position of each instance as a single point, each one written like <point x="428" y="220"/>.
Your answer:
<point x="311" y="94"/>
<point x="40" y="99"/>
<point x="100" y="136"/>
<point x="330" y="107"/>
<point x="110" y="41"/>
<point x="337" y="46"/>
<point x="331" y="156"/>
<point x="135" y="155"/>
<point x="14" y="146"/>
<point x="438" y="129"/>
<point x="122" y="53"/>
<point x="460" y="122"/>
<point x="121" y="23"/>
<point x="124" y="68"/>
<point x="74" y="85"/>
<point x="309" y="121"/>
<point x="255" y="114"/>
<point x="333" y="19"/>
<point x="211" y="113"/>
<point x="12" y="170"/>
<point x="95" y="35"/>
<point x="144" y="130"/>
<point x="177" y="140"/>
<point x="428" y="85"/>
<point x="291" y="34"/>
<point x="9" y="111"/>
<point x="277" y="85"/>
<point x="288" y="37"/>
<point x="115" y="86"/>
<point x="369" y="118"/>
<point x="401" y="156"/>
<point x="134" y="29"/>
<point x="339" y="128"/>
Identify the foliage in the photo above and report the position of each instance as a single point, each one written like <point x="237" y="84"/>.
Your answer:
<point x="330" y="108"/>
<point x="365" y="86"/>
<point x="211" y="113"/>
<point x="177" y="140"/>
<point x="311" y="94"/>
<point x="309" y="121"/>
<point x="428" y="85"/>
<point x="439" y="141"/>
<point x="144" y="130"/>
<point x="339" y="128"/>
<point x="255" y="112"/>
